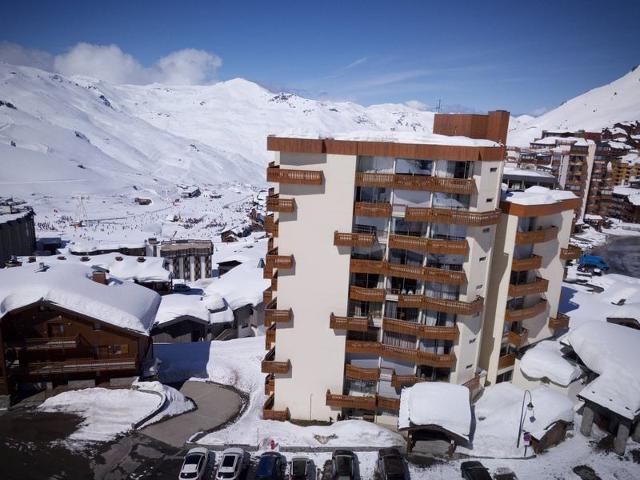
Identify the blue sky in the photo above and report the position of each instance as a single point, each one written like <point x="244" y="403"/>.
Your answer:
<point x="521" y="56"/>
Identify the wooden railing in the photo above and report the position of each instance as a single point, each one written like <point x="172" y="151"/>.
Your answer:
<point x="365" y="209"/>
<point x="270" y="365"/>
<point x="277" y="204"/>
<point x="437" y="360"/>
<point x="429" y="245"/>
<point x="536" y="236"/>
<point x="473" y="385"/>
<point x="270" y="337"/>
<point x="519" y="314"/>
<point x="267" y="295"/>
<point x="518" y="339"/>
<point x="524" y="264"/>
<point x="420" y="330"/>
<point x="273" y="315"/>
<point x="506" y="361"/>
<point x="295" y="177"/>
<point x="268" y="413"/>
<point x="278" y="261"/>
<point x="399" y="381"/>
<point x="362" y="347"/>
<point x="269" y="384"/>
<point x="355" y="324"/>
<point x="560" y="321"/>
<point x="271" y="226"/>
<point x="441" y="304"/>
<point x="353" y="239"/>
<point x="366" y="294"/>
<point x="570" y="253"/>
<point x="46" y="343"/>
<point x="388" y="404"/>
<point x="359" y="373"/>
<point x="350" y="401"/>
<point x="79" y="365"/>
<point x="452" y="216"/>
<point x="539" y="285"/>
<point x="415" y="182"/>
<point x="414" y="272"/>
<point x="376" y="267"/>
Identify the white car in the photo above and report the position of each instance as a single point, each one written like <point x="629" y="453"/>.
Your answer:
<point x="195" y="464"/>
<point x="234" y="461"/>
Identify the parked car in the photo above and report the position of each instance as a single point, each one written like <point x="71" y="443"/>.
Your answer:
<point x="390" y="465"/>
<point x="474" y="471"/>
<point x="590" y="262"/>
<point x="504" y="473"/>
<point x="271" y="466"/>
<point x="196" y="463"/>
<point x="302" y="468"/>
<point x="181" y="287"/>
<point x="344" y="465"/>
<point x="234" y="461"/>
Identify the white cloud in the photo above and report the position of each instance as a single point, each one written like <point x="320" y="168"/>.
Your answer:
<point x="417" y="104"/>
<point x="357" y="62"/>
<point x="110" y="63"/>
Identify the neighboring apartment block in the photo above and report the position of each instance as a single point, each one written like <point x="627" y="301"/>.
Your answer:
<point x="379" y="265"/>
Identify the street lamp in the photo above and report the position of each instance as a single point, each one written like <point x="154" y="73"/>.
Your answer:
<point x="529" y="408"/>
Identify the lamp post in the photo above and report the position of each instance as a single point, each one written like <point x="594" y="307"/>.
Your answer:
<point x="529" y="408"/>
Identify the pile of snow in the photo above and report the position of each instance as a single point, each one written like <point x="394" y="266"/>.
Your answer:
<point x="123" y="304"/>
<point x="177" y="305"/>
<point x="538" y="195"/>
<point x="545" y="360"/>
<point x="497" y="415"/>
<point x="611" y="351"/>
<point x="174" y="402"/>
<point x="441" y="404"/>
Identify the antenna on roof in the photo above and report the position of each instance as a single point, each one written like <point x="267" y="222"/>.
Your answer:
<point x="439" y="106"/>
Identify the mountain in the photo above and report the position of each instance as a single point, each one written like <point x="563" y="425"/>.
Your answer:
<point x="598" y="108"/>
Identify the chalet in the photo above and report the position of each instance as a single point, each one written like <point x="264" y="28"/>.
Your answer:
<point x="59" y="325"/>
<point x="181" y="319"/>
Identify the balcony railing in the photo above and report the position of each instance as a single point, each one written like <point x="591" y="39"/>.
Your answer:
<point x="270" y="337"/>
<point x="363" y="240"/>
<point x="273" y="260"/>
<point x="560" y="321"/>
<point x="416" y="182"/>
<point x="376" y="267"/>
<point x="295" y="177"/>
<point x="269" y="384"/>
<point x="271" y="226"/>
<point x="365" y="209"/>
<point x="277" y="204"/>
<point x="436" y="360"/>
<point x="350" y="401"/>
<point x="539" y="285"/>
<point x="366" y="294"/>
<point x="452" y="216"/>
<point x="268" y="413"/>
<point x="359" y="373"/>
<point x="273" y="315"/>
<point x="388" y="404"/>
<point x="520" y="314"/>
<point x="429" y="245"/>
<point x="399" y="381"/>
<point x="46" y="343"/>
<point x="445" y="360"/>
<point x="441" y="304"/>
<point x="570" y="253"/>
<point x="518" y="339"/>
<point x="354" y="324"/>
<point x="506" y="361"/>
<point x="270" y="365"/>
<point x="536" y="236"/>
<point x="420" y="330"/>
<point x="78" y="365"/>
<point x="414" y="272"/>
<point x="524" y="264"/>
<point x="363" y="347"/>
<point x="267" y="295"/>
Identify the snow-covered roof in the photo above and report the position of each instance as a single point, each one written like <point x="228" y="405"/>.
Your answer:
<point x="632" y="194"/>
<point x="618" y="145"/>
<point x="15" y="215"/>
<point x="537" y="195"/>
<point x="122" y="304"/>
<point x="578" y="141"/>
<point x="82" y="247"/>
<point x="611" y="351"/>
<point x="545" y="360"/>
<point x="631" y="158"/>
<point x="526" y="172"/>
<point x="177" y="305"/>
<point x="442" y="404"/>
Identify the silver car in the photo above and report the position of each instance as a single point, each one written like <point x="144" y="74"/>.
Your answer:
<point x="196" y="463"/>
<point x="233" y="462"/>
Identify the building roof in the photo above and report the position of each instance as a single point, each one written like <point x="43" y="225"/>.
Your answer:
<point x="69" y="286"/>
<point x="78" y="248"/>
<point x="538" y="196"/>
<point x="177" y="305"/>
<point x="632" y="194"/>
<point x="545" y="360"/>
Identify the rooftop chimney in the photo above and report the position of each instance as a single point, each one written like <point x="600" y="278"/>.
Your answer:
<point x="99" y="277"/>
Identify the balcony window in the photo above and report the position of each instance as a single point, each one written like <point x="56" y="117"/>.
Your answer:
<point x="373" y="253"/>
<point x="360" y="387"/>
<point x="357" y="308"/>
<point x="441" y="347"/>
<point x="391" y="310"/>
<point x="442" y="290"/>
<point x="455" y="201"/>
<point x="370" y="336"/>
<point x="394" y="339"/>
<point x="433" y="374"/>
<point x="444" y="231"/>
<point x="414" y="167"/>
<point x="374" y="225"/>
<point x="523" y="251"/>
<point x="445" y="261"/>
<point x="411" y="198"/>
<point x="453" y="169"/>
<point x="367" y="280"/>
<point x="440" y="319"/>
<point x="403" y="286"/>
<point x="401" y="227"/>
<point x="375" y="164"/>
<point x="405" y="257"/>
<point x="373" y="195"/>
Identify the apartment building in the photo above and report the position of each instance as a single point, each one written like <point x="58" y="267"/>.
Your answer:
<point x="379" y="264"/>
<point x="530" y="252"/>
<point x="17" y="229"/>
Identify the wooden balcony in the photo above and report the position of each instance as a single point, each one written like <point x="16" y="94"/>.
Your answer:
<point x="429" y="245"/>
<point x="273" y="315"/>
<point x="363" y="347"/>
<point x="267" y="295"/>
<point x="421" y="331"/>
<point x="354" y="324"/>
<point x="270" y="365"/>
<point x="46" y="343"/>
<point x="375" y="267"/>
<point x="268" y="413"/>
<point x="506" y="361"/>
<point x="290" y="176"/>
<point x="269" y="384"/>
<point x="560" y="321"/>
<point x="372" y="179"/>
<point x="283" y="205"/>
<point x="415" y="182"/>
<point x="388" y="404"/>
<point x="437" y="360"/>
<point x="441" y="275"/>
<point x="78" y="365"/>
<point x="520" y="314"/>
<point x="366" y="294"/>
<point x="414" y="272"/>
<point x="536" y="236"/>
<point x="274" y="281"/>
<point x="570" y="253"/>
<point x="365" y="209"/>
<point x="278" y="261"/>
<point x="441" y="304"/>
<point x="358" y="373"/>
<point x="539" y="285"/>
<point x="518" y="339"/>
<point x="399" y="381"/>
<point x="524" y="264"/>
<point x="350" y="401"/>
<point x="452" y="216"/>
<point x="363" y="240"/>
<point x="271" y="225"/>
<point x="270" y="337"/>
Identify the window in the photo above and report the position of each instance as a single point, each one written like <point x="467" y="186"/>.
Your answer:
<point x="486" y="230"/>
<point x="489" y="200"/>
<point x="482" y="259"/>
<point x="118" y="349"/>
<point x="493" y="169"/>
<point x="97" y="326"/>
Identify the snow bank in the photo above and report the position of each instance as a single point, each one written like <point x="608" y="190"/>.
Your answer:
<point x="537" y="195"/>
<point x="176" y="402"/>
<point x="436" y="403"/>
<point x="123" y="304"/>
<point x="545" y="360"/>
<point x="612" y="352"/>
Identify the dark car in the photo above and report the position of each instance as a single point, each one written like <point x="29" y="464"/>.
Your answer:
<point x="301" y="468"/>
<point x="344" y="465"/>
<point x="272" y="466"/>
<point x="390" y="465"/>
<point x="474" y="471"/>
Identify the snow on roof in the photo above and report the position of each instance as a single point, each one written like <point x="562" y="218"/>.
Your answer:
<point x="436" y="403"/>
<point x="537" y="195"/>
<point x="123" y="304"/>
<point x="9" y="217"/>
<point x="82" y="247"/>
<point x="235" y="257"/>
<point x="591" y="216"/>
<point x="526" y="172"/>
<point x="392" y="137"/>
<point x="177" y="305"/>
<point x="618" y="145"/>
<point x="632" y="194"/>
<point x="611" y="351"/>
<point x="578" y="141"/>
<point x="631" y="158"/>
<point x="545" y="360"/>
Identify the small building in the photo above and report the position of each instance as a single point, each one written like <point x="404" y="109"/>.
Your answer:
<point x="190" y="192"/>
<point x="625" y="204"/>
<point x="17" y="229"/>
<point x="523" y="178"/>
<point x="49" y="245"/>
<point x="181" y="319"/>
<point x="228" y="236"/>
<point x="188" y="259"/>
<point x="142" y="201"/>
<point x="61" y="325"/>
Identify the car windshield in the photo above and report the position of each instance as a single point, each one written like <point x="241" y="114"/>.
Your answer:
<point x="192" y="459"/>
<point x="228" y="461"/>
<point x="226" y="474"/>
<point x="299" y="468"/>
<point x="394" y="468"/>
<point x="343" y="466"/>
<point x="188" y="474"/>
<point x="265" y="466"/>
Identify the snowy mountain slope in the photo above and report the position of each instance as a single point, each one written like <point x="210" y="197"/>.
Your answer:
<point x="598" y="108"/>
